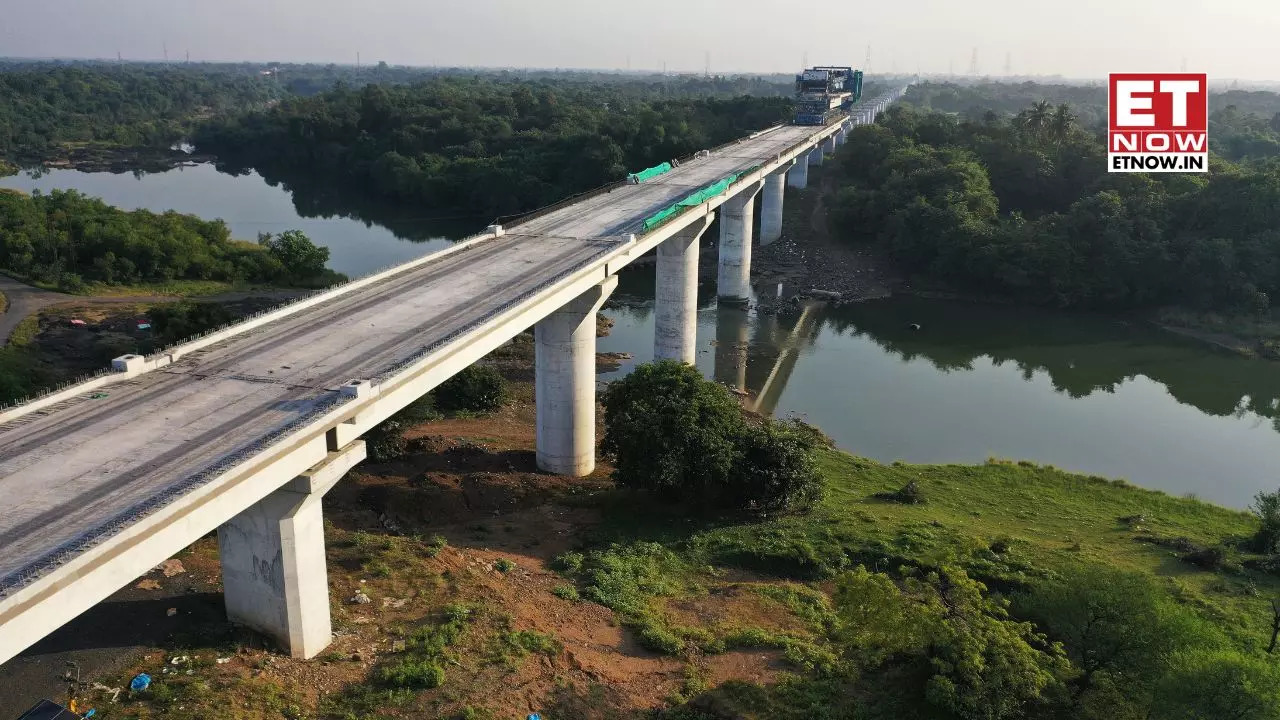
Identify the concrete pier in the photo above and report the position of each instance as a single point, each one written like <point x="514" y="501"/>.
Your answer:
<point x="675" y="331"/>
<point x="815" y="156"/>
<point x="798" y="177"/>
<point x="775" y="186"/>
<point x="565" y="383"/>
<point x="273" y="564"/>
<point x="733" y="279"/>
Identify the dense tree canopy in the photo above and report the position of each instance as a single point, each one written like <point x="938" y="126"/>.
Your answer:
<point x="46" y="105"/>
<point x="480" y="145"/>
<point x="68" y="239"/>
<point x="1024" y="206"/>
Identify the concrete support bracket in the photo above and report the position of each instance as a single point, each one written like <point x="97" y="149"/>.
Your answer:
<point x="273" y="560"/>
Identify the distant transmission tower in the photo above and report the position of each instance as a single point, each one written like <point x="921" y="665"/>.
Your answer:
<point x="868" y="64"/>
<point x="973" y="63"/>
<point x="707" y="64"/>
<point x="357" y="59"/>
<point x="1008" y="64"/>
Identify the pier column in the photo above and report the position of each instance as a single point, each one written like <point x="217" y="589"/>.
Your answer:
<point x="733" y="279"/>
<point x="815" y="156"/>
<point x="829" y="145"/>
<point x="798" y="177"/>
<point x="775" y="186"/>
<point x="273" y="566"/>
<point x="565" y="383"/>
<point x="675" y="329"/>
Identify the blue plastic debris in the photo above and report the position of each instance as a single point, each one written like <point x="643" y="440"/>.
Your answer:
<point x="535" y="716"/>
<point x="141" y="682"/>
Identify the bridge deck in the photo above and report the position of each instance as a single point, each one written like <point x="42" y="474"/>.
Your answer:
<point x="68" y="470"/>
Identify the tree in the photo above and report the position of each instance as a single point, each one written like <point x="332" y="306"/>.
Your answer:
<point x="976" y="662"/>
<point x="301" y="258"/>
<point x="777" y="470"/>
<point x="1267" y="537"/>
<point x="1120" y="630"/>
<point x="1218" y="685"/>
<point x="672" y="432"/>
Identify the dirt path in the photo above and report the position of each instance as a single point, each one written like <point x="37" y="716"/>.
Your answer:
<point x="24" y="300"/>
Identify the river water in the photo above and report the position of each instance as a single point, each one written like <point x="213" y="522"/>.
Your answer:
<point x="1081" y="392"/>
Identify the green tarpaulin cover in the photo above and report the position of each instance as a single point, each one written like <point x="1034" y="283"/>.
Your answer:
<point x="696" y="198"/>
<point x="651" y="173"/>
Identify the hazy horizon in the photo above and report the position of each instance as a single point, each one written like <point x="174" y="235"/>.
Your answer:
<point x="1228" y="40"/>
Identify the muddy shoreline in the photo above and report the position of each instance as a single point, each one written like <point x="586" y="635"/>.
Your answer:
<point x="116" y="160"/>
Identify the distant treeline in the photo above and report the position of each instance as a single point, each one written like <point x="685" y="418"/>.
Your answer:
<point x="1024" y="206"/>
<point x="44" y="106"/>
<point x="67" y="239"/>
<point x="1243" y="125"/>
<point x="480" y="145"/>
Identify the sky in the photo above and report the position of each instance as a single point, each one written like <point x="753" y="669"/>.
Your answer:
<point x="1078" y="39"/>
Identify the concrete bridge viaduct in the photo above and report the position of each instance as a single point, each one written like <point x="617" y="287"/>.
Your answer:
<point x="244" y="430"/>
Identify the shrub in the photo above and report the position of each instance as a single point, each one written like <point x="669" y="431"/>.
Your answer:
<point x="434" y="545"/>
<point x="566" y="592"/>
<point x="776" y="470"/>
<point x="676" y="434"/>
<point x="412" y="674"/>
<point x="1218" y="684"/>
<point x="386" y="441"/>
<point x="478" y="388"/>
<point x="672" y="432"/>
<point x="909" y="494"/>
<point x="1267" y="507"/>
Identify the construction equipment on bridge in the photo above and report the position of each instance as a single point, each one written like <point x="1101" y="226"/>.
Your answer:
<point x="825" y="93"/>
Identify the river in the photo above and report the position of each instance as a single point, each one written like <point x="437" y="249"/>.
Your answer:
<point x="1082" y="392"/>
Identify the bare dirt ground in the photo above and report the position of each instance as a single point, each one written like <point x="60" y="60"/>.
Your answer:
<point x="809" y="263"/>
<point x="471" y="481"/>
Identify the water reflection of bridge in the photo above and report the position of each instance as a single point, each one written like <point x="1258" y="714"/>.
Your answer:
<point x="760" y="363"/>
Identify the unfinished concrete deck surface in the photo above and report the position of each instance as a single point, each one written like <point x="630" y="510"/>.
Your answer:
<point x="69" y="470"/>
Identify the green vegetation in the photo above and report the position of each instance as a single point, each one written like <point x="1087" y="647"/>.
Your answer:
<point x="45" y="106"/>
<point x="686" y="439"/>
<point x="68" y="239"/>
<point x="482" y="145"/>
<point x="1025" y="207"/>
<point x="1015" y="591"/>
<point x="1243" y="125"/>
<point x="478" y="388"/>
<point x="419" y="667"/>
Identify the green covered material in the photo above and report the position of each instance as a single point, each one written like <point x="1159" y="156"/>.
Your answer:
<point x="651" y="173"/>
<point x="696" y="198"/>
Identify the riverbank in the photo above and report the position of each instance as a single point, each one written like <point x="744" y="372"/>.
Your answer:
<point x="807" y="263"/>
<point x="463" y="536"/>
<point x="103" y="157"/>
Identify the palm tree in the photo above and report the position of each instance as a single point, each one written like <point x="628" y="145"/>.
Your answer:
<point x="1036" y="118"/>
<point x="1062" y="122"/>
